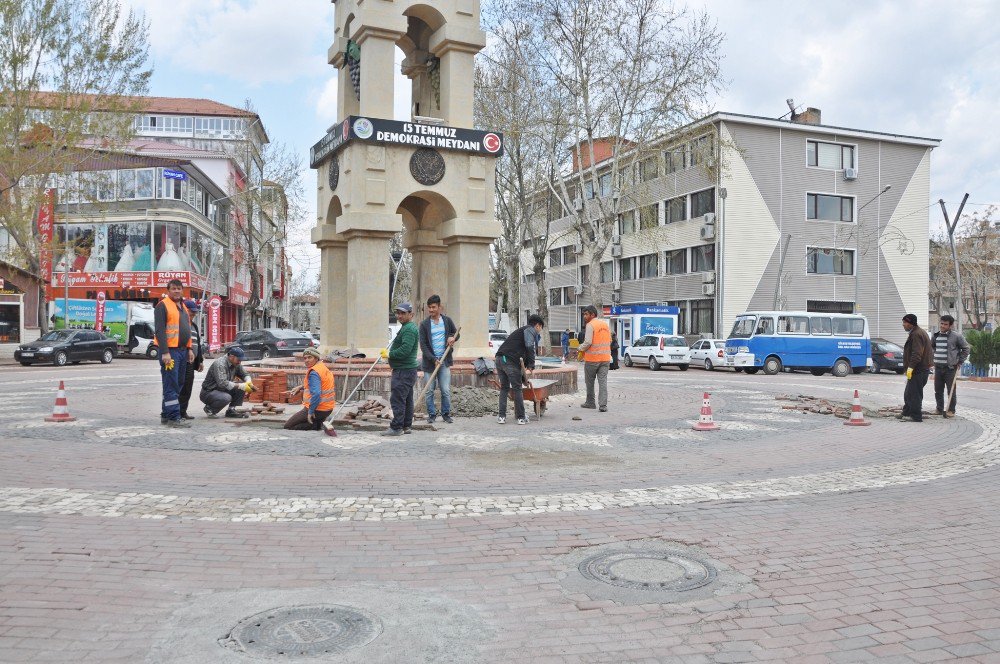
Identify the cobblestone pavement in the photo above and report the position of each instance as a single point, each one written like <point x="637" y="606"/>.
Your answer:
<point x="620" y="537"/>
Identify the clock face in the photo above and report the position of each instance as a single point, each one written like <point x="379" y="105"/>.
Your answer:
<point x="333" y="174"/>
<point x="427" y="166"/>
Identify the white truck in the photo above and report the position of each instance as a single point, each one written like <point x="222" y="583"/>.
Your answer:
<point x="128" y="323"/>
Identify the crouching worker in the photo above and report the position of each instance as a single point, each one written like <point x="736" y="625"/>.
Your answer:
<point x="225" y="384"/>
<point x="317" y="394"/>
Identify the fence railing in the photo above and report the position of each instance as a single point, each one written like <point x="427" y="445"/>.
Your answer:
<point x="993" y="371"/>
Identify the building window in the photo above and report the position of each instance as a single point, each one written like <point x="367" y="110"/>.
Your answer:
<point x="626" y="268"/>
<point x="702" y="202"/>
<point x="702" y="316"/>
<point x="701" y="150"/>
<point x="126" y="185"/>
<point x="555" y="296"/>
<point x="584" y="274"/>
<point x="676" y="209"/>
<point x="829" y="261"/>
<point x="604" y="184"/>
<point x="648" y="169"/>
<point x="555" y="257"/>
<point x="647" y="266"/>
<point x="703" y="258"/>
<point x="626" y="222"/>
<point x="588" y="188"/>
<point x="560" y="296"/>
<point x="829" y="208"/>
<point x="829" y="155"/>
<point x="569" y="256"/>
<point x="607" y="272"/>
<point x="675" y="262"/>
<point x="676" y="159"/>
<point x="649" y="216"/>
<point x="562" y="256"/>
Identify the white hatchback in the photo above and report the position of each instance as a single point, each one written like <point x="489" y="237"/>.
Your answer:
<point x="709" y="353"/>
<point x="656" y="350"/>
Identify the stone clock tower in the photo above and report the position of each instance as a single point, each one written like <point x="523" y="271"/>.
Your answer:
<point x="431" y="175"/>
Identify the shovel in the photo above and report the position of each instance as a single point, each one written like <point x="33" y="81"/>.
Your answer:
<point x="429" y="381"/>
<point x="328" y="422"/>
<point x="951" y="390"/>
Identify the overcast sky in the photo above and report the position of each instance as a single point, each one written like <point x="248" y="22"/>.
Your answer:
<point x="924" y="68"/>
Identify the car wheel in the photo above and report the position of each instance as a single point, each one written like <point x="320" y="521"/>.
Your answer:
<point x="627" y="360"/>
<point x="683" y="367"/>
<point x="752" y="370"/>
<point x="873" y="368"/>
<point x="653" y="364"/>
<point x="107" y="356"/>
<point x="772" y="366"/>
<point x="817" y="372"/>
<point x="265" y="354"/>
<point x="152" y="353"/>
<point x="708" y="364"/>
<point x="60" y="359"/>
<point x="841" y="368"/>
<point x="25" y="364"/>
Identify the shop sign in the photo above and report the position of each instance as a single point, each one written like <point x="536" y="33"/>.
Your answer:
<point x="214" y="324"/>
<point x="46" y="214"/>
<point x="127" y="280"/>
<point x="99" y="312"/>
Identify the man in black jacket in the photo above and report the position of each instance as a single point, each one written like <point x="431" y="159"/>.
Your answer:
<point x="198" y="365"/>
<point x="520" y="345"/>
<point x="437" y="334"/>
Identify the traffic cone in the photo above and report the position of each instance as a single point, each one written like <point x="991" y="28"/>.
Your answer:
<point x="705" y="421"/>
<point x="857" y="415"/>
<point x="60" y="412"/>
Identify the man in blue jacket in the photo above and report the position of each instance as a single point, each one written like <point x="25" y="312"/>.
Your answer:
<point x="437" y="334"/>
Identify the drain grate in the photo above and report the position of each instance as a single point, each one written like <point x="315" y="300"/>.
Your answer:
<point x="648" y="570"/>
<point x="304" y="631"/>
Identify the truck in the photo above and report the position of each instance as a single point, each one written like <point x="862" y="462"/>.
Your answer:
<point x="130" y="324"/>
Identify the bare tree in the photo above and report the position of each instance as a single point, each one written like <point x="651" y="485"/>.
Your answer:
<point x="978" y="242"/>
<point x="71" y="74"/>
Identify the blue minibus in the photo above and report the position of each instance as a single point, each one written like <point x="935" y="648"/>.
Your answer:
<point x="775" y="340"/>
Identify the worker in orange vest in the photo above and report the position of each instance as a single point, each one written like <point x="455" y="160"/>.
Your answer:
<point x="318" y="396"/>
<point x="595" y="351"/>
<point x="172" y="327"/>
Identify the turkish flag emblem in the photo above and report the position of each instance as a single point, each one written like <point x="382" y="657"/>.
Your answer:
<point x="492" y="143"/>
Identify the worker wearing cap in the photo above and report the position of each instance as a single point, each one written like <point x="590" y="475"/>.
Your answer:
<point x="402" y="357"/>
<point x="225" y="384"/>
<point x="172" y="327"/>
<point x="197" y="365"/>
<point x="317" y="394"/>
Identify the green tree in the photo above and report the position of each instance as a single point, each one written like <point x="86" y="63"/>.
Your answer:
<point x="72" y="73"/>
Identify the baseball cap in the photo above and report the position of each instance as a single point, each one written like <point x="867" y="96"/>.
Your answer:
<point x="236" y="352"/>
<point x="191" y="305"/>
<point x="405" y="307"/>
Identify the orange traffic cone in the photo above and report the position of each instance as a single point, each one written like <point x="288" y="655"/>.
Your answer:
<point x="705" y="421"/>
<point x="857" y="415"/>
<point x="60" y="412"/>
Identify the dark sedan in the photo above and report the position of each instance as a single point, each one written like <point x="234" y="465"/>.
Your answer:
<point x="63" y="346"/>
<point x="271" y="342"/>
<point x="886" y="356"/>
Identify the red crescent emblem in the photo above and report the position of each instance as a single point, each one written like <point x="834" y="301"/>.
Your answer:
<point x="492" y="143"/>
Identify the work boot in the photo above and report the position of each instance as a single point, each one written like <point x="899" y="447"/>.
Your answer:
<point x="407" y="430"/>
<point x="208" y="411"/>
<point x="603" y="409"/>
<point x="236" y="415"/>
<point x="179" y="424"/>
<point x="588" y="405"/>
<point x="447" y="418"/>
<point x="164" y="420"/>
<point x="392" y="432"/>
<point x="950" y="413"/>
<point x="431" y="419"/>
<point x="185" y="416"/>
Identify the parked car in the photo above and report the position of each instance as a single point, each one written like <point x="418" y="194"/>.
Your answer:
<point x="886" y="356"/>
<point x="313" y="341"/>
<point x="271" y="342"/>
<point x="709" y="353"/>
<point x="655" y="350"/>
<point x="64" y="346"/>
<point x="497" y="338"/>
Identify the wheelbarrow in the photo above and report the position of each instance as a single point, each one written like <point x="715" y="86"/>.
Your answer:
<point x="537" y="392"/>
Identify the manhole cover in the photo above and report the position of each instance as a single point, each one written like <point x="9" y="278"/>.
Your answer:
<point x="304" y="631"/>
<point x="648" y="570"/>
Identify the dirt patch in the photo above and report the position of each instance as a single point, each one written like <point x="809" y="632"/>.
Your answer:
<point x="473" y="401"/>
<point x="805" y="403"/>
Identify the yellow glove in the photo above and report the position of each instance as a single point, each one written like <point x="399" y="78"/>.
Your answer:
<point x="248" y="387"/>
<point x="909" y="373"/>
<point x="249" y="381"/>
<point x="384" y="354"/>
<point x="169" y="366"/>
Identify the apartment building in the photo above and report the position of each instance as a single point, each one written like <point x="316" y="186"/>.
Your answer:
<point x="797" y="215"/>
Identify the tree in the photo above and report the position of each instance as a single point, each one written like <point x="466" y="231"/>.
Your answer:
<point x="977" y="240"/>
<point x="621" y="75"/>
<point x="71" y="74"/>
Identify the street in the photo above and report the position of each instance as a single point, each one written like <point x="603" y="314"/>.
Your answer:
<point x="620" y="537"/>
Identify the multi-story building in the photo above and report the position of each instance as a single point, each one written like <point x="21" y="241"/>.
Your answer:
<point x="305" y="313"/>
<point x="797" y="215"/>
<point x="174" y="203"/>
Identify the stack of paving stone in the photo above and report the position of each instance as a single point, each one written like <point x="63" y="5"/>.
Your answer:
<point x="371" y="415"/>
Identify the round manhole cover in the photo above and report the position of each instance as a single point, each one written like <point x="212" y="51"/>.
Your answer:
<point x="304" y="631"/>
<point x="648" y="570"/>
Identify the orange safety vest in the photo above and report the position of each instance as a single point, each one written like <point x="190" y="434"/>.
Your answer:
<point x="174" y="323"/>
<point x="326" y="396"/>
<point x="600" y="347"/>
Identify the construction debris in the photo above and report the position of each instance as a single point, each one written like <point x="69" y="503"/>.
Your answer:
<point x="842" y="409"/>
<point x="473" y="401"/>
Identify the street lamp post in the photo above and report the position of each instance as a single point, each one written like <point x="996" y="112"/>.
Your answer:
<point x="857" y="246"/>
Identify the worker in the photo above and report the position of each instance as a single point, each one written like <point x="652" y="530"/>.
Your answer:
<point x="226" y="384"/>
<point x="318" y="396"/>
<point x="595" y="351"/>
<point x="918" y="358"/>
<point x="437" y="333"/>
<point x="517" y="348"/>
<point x="402" y="356"/>
<point x="172" y="326"/>
<point x="197" y="365"/>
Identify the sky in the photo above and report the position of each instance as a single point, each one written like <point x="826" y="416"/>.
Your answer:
<point x="918" y="67"/>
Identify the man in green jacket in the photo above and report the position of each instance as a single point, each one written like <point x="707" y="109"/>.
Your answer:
<point x="403" y="360"/>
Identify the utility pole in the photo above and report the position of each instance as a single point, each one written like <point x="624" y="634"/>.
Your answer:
<point x="951" y="226"/>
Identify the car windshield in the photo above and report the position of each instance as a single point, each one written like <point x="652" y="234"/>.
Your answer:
<point x="285" y="334"/>
<point x="57" y="335"/>
<point x="743" y="327"/>
<point x="720" y="344"/>
<point x="674" y="341"/>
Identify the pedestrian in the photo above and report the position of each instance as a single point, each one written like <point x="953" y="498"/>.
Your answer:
<point x="172" y="325"/>
<point x="437" y="333"/>
<point x="519" y="346"/>
<point x="564" y="340"/>
<point x="318" y="394"/>
<point x="225" y="385"/>
<point x="614" y="352"/>
<point x="918" y="357"/>
<point x="951" y="350"/>
<point x="197" y="365"/>
<point x="596" y="353"/>
<point x="402" y="356"/>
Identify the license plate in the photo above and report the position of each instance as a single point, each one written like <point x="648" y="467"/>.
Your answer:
<point x="27" y="354"/>
<point x="676" y="357"/>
